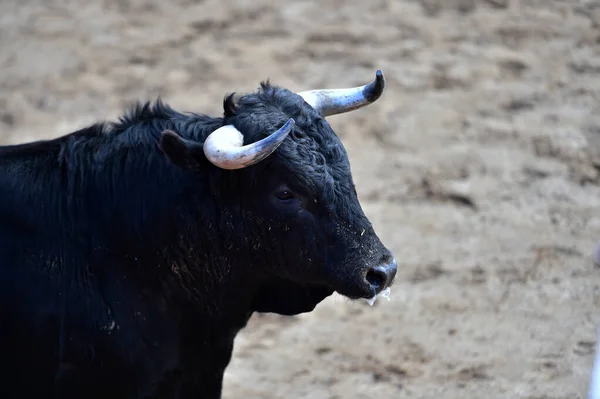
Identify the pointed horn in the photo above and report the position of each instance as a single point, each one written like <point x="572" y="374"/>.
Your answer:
<point x="224" y="147"/>
<point x="337" y="101"/>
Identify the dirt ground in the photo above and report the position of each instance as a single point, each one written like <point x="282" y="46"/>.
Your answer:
<point x="479" y="167"/>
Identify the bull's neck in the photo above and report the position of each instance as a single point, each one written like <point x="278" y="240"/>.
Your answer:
<point x="97" y="192"/>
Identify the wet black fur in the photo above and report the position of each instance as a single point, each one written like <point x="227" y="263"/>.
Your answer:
<point x="128" y="263"/>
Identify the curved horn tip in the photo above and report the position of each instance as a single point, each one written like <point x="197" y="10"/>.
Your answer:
<point x="282" y="132"/>
<point x="289" y="124"/>
<point x="374" y="89"/>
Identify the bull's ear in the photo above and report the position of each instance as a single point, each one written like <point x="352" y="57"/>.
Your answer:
<point x="183" y="153"/>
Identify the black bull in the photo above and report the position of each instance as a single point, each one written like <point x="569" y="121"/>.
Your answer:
<point x="132" y="253"/>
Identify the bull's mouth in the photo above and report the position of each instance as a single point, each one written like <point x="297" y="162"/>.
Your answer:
<point x="363" y="290"/>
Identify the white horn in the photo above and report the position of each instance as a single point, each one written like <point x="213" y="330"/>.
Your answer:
<point x="224" y="147"/>
<point x="337" y="101"/>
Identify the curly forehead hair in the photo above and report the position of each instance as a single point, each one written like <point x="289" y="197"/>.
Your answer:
<point x="313" y="149"/>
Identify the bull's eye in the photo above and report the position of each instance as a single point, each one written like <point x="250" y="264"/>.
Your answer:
<point x="285" y="195"/>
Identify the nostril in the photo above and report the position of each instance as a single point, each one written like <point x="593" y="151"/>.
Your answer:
<point x="376" y="278"/>
<point x="381" y="276"/>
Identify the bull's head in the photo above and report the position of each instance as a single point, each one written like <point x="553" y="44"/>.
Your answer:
<point x="303" y="224"/>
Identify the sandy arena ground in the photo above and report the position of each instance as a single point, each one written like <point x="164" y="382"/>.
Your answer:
<point x="479" y="167"/>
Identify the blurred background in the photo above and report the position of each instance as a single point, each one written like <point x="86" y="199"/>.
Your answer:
<point x="479" y="167"/>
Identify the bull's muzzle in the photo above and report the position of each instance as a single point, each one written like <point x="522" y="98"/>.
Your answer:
<point x="382" y="276"/>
